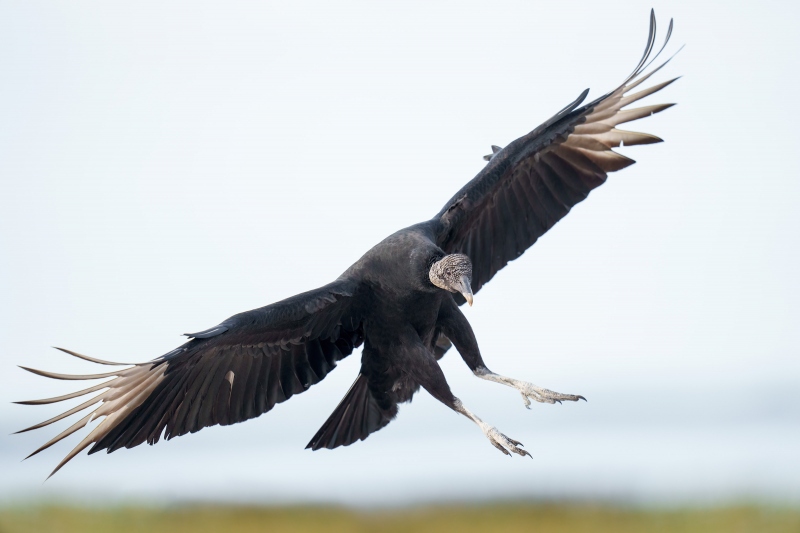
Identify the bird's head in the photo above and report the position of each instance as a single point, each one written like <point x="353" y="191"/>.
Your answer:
<point x="453" y="273"/>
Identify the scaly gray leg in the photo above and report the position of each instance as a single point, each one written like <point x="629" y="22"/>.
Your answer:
<point x="423" y="368"/>
<point x="456" y="328"/>
<point x="498" y="440"/>
<point x="529" y="391"/>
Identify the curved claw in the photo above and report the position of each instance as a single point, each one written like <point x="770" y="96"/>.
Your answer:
<point x="532" y="392"/>
<point x="499" y="447"/>
<point x="505" y="444"/>
<point x="526" y="401"/>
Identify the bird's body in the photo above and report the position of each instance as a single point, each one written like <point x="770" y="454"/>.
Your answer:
<point x="396" y="270"/>
<point x="401" y="306"/>
<point x="400" y="300"/>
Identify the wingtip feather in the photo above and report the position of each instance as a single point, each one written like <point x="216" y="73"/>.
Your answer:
<point x="68" y="377"/>
<point x="90" y="359"/>
<point x="64" y="434"/>
<point x="69" y="396"/>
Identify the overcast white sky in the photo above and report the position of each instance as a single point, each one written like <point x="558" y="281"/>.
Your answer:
<point x="166" y="165"/>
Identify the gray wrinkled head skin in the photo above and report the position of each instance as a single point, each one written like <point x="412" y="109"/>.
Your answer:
<point x="453" y="273"/>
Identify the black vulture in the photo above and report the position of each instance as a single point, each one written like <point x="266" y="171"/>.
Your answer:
<point x="400" y="301"/>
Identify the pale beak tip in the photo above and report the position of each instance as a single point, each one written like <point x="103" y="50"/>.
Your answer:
<point x="466" y="290"/>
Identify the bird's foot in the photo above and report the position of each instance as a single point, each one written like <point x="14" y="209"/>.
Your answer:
<point x="503" y="443"/>
<point x="530" y="392"/>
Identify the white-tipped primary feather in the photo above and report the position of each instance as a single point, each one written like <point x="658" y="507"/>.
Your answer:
<point x="66" y="396"/>
<point x="595" y="137"/>
<point x="90" y="359"/>
<point x="125" y="392"/>
<point x="69" y="377"/>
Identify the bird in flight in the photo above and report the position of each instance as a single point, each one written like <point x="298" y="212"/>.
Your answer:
<point x="401" y="300"/>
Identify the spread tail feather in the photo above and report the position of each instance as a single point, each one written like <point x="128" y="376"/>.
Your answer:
<point x="356" y="416"/>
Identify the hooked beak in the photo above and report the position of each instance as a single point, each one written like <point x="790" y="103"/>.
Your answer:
<point x="465" y="289"/>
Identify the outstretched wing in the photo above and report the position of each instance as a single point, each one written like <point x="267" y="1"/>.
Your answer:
<point x="533" y="182"/>
<point x="227" y="374"/>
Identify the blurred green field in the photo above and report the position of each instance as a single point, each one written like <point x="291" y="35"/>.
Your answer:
<point x="508" y="518"/>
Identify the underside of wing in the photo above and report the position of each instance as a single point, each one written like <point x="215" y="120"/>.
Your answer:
<point x="533" y="182"/>
<point x="227" y="374"/>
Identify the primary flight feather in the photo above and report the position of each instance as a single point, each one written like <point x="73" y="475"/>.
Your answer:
<point x="400" y="300"/>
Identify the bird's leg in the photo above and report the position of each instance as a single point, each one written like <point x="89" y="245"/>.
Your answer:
<point x="529" y="391"/>
<point x="423" y="368"/>
<point x="456" y="327"/>
<point x="498" y="440"/>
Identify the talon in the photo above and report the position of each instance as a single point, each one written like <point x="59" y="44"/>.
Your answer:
<point x="520" y="452"/>
<point x="499" y="446"/>
<point x="526" y="401"/>
<point x="541" y="395"/>
<point x="504" y="443"/>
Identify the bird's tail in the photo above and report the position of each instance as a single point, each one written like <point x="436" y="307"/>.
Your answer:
<point x="355" y="418"/>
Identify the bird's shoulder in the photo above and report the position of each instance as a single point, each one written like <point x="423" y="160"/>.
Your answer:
<point x="414" y="244"/>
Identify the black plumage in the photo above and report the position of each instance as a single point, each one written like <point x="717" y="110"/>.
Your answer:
<point x="400" y="301"/>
